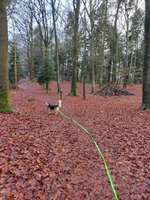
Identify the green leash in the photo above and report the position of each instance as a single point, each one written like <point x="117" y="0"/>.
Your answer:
<point x="101" y="156"/>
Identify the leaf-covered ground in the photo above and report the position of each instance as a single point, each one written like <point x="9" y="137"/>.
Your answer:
<point x="45" y="157"/>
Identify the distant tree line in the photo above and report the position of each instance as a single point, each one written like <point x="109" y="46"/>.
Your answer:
<point x="99" y="40"/>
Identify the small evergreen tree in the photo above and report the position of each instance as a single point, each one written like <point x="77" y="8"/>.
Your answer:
<point x="46" y="73"/>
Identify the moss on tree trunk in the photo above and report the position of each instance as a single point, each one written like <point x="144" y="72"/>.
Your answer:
<point x="4" y="101"/>
<point x="4" y="86"/>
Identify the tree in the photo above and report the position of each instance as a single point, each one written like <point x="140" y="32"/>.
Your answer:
<point x="93" y="6"/>
<point x="84" y="59"/>
<point x="68" y="47"/>
<point x="38" y="52"/>
<point x="136" y="45"/>
<point x="4" y="86"/>
<point x="103" y="38"/>
<point x="76" y="6"/>
<point x="30" y="37"/>
<point x="92" y="44"/>
<point x="56" y="44"/>
<point x="146" y="70"/>
<point x="41" y="16"/>
<point x="46" y="73"/>
<point x="114" y="43"/>
<point x="15" y="70"/>
<point x="23" y="22"/>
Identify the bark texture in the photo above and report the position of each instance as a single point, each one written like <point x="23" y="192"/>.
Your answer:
<point x="4" y="86"/>
<point x="146" y="70"/>
<point x="76" y="5"/>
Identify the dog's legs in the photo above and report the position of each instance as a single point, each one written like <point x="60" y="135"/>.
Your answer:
<point x="56" y="111"/>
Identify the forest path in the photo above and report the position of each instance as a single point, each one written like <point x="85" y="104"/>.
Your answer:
<point x="45" y="157"/>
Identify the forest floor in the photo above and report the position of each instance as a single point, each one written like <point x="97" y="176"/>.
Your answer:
<point x="45" y="157"/>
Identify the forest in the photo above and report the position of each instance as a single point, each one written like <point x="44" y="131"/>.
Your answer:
<point x="74" y="99"/>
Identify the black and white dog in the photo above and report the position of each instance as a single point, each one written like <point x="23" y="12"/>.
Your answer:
<point x="54" y="107"/>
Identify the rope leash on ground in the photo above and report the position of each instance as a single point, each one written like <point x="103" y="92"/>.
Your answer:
<point x="100" y="154"/>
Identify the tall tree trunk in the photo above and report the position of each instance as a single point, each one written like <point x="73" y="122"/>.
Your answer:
<point x="31" y="51"/>
<point x="76" y="5"/>
<point x="103" y="44"/>
<point x="109" y="72"/>
<point x="46" y="66"/>
<point x="135" y="64"/>
<point x="4" y="86"/>
<point x="126" y="67"/>
<point x="146" y="70"/>
<point x="15" y="66"/>
<point x="84" y="86"/>
<point x="132" y="65"/>
<point x="101" y="63"/>
<point x="56" y="45"/>
<point x="92" y="47"/>
<point x="84" y="67"/>
<point x="114" y="44"/>
<point x="92" y="62"/>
